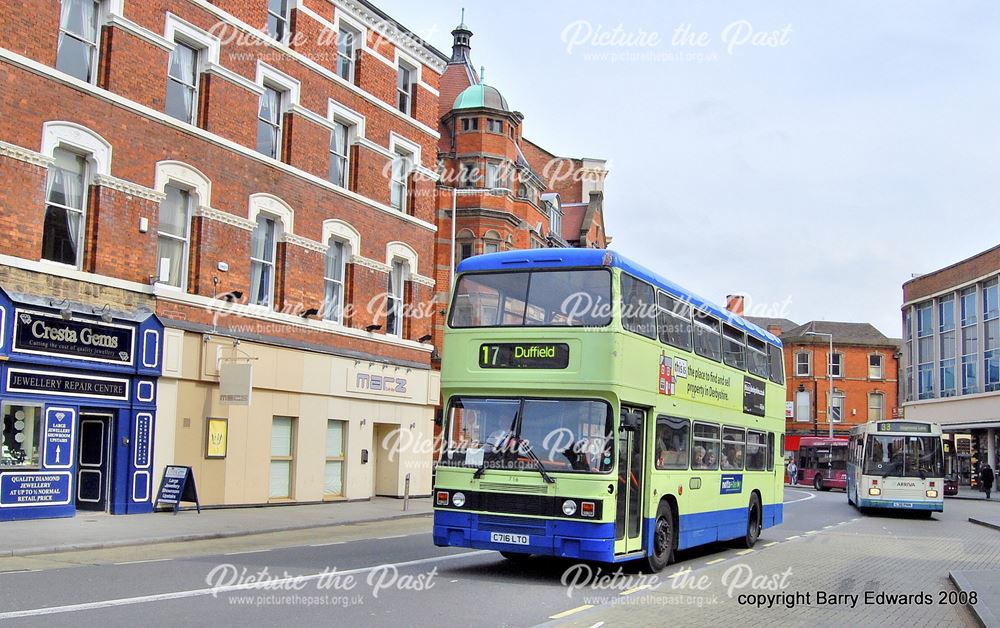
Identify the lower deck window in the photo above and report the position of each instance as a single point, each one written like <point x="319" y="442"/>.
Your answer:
<point x="756" y="451"/>
<point x="671" y="443"/>
<point x="705" y="454"/>
<point x="21" y="436"/>
<point x="733" y="444"/>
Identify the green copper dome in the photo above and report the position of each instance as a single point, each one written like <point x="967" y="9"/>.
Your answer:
<point x="476" y="96"/>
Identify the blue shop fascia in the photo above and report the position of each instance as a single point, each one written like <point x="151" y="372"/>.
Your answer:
<point x="78" y="405"/>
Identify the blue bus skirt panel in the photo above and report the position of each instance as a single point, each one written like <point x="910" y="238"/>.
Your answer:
<point x="548" y="537"/>
<point x="900" y="504"/>
<point x="584" y="540"/>
<point x="719" y="525"/>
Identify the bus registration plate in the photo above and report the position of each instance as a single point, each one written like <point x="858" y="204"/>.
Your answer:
<point x="506" y="537"/>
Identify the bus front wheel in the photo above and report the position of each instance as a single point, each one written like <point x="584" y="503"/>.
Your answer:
<point x="753" y="522"/>
<point x="664" y="539"/>
<point x="515" y="557"/>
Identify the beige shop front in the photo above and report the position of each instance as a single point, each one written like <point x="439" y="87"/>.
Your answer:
<point x="318" y="427"/>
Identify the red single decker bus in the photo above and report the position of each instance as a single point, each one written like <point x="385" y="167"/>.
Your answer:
<point x="822" y="463"/>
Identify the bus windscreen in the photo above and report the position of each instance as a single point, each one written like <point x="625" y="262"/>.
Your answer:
<point x="566" y="435"/>
<point x="563" y="298"/>
<point x="904" y="456"/>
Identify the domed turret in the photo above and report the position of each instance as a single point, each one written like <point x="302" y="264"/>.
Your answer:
<point x="477" y="96"/>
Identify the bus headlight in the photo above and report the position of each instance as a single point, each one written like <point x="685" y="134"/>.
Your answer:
<point x="874" y="491"/>
<point x="932" y="493"/>
<point x="569" y="507"/>
<point x="458" y="499"/>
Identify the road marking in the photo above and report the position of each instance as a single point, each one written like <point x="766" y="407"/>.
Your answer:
<point x="770" y="544"/>
<point x="717" y="560"/>
<point x="813" y="532"/>
<point x="634" y="589"/>
<point x="842" y="523"/>
<point x="19" y="571"/>
<point x="571" y="611"/>
<point x="394" y="536"/>
<point x="598" y="624"/>
<point x="246" y="552"/>
<point x="789" y="538"/>
<point x="807" y="497"/>
<point x="744" y="552"/>
<point x="827" y="527"/>
<point x="177" y="595"/>
<point x="148" y="560"/>
<point x="327" y="544"/>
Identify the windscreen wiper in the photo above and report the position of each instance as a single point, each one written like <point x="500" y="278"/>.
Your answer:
<point x="541" y="467"/>
<point x="480" y="470"/>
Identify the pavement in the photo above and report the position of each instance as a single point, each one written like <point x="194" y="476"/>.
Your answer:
<point x="987" y="519"/>
<point x="964" y="492"/>
<point x="88" y="531"/>
<point x="985" y="585"/>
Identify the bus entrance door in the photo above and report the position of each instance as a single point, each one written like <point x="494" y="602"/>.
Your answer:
<point x="628" y="519"/>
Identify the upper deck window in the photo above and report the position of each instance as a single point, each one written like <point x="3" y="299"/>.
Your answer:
<point x="638" y="307"/>
<point x="550" y="298"/>
<point x="757" y="359"/>
<point x="734" y="347"/>
<point x="707" y="336"/>
<point x="675" y="322"/>
<point x="777" y="369"/>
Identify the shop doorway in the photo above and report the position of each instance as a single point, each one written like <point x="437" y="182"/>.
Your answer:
<point x="94" y="461"/>
<point x="385" y="475"/>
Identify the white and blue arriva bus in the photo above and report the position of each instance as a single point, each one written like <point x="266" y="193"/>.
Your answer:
<point x="896" y="465"/>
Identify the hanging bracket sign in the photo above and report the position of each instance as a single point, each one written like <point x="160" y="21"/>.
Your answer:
<point x="235" y="383"/>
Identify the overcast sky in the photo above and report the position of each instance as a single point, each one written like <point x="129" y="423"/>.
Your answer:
<point x="816" y="171"/>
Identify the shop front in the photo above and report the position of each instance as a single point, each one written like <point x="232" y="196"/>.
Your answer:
<point x="78" y="390"/>
<point x="302" y="426"/>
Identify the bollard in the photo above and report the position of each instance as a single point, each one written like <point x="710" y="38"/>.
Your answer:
<point x="406" y="494"/>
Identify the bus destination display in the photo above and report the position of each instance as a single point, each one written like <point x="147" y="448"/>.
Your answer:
<point x="524" y="355"/>
<point x="900" y="426"/>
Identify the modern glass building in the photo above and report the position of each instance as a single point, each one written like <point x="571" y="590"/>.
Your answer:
<point x="950" y="369"/>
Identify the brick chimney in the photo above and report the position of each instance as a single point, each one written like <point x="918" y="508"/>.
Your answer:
<point x="774" y="329"/>
<point x="734" y="303"/>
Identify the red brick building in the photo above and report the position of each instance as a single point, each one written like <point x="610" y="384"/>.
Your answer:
<point x="509" y="193"/>
<point x="864" y="367"/>
<point x="261" y="175"/>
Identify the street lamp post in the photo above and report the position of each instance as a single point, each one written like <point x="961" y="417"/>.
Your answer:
<point x="829" y="377"/>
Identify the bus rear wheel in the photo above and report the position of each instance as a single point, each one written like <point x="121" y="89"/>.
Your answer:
<point x="818" y="483"/>
<point x="753" y="523"/>
<point x="664" y="539"/>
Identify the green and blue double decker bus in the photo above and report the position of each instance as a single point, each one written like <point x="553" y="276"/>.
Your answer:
<point x="595" y="410"/>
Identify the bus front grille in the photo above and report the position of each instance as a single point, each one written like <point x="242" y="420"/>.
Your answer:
<point x="503" y="487"/>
